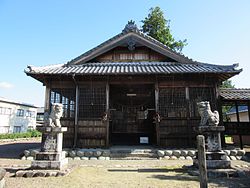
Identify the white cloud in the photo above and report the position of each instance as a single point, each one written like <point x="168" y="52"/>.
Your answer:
<point x="5" y="85"/>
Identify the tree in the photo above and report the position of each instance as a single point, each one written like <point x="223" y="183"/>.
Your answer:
<point x="227" y="84"/>
<point x="156" y="26"/>
<point x="226" y="109"/>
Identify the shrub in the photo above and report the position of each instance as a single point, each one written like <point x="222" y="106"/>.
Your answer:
<point x="28" y="134"/>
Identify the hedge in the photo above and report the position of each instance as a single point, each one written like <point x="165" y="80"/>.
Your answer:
<point x="28" y="134"/>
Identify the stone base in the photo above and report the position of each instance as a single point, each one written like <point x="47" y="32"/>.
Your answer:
<point x="215" y="155"/>
<point x="215" y="160"/>
<point x="50" y="156"/>
<point x="215" y="164"/>
<point x="215" y="173"/>
<point x="42" y="173"/>
<point x="42" y="164"/>
<point x="2" y="180"/>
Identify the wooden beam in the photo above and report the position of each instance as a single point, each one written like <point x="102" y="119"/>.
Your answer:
<point x="107" y="111"/>
<point x="76" y="115"/>
<point x="157" y="124"/>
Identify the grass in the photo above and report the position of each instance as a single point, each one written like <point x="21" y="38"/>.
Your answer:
<point x="228" y="139"/>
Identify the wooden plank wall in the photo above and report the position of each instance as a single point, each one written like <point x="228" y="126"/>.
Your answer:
<point x="68" y="137"/>
<point x="91" y="133"/>
<point x="180" y="131"/>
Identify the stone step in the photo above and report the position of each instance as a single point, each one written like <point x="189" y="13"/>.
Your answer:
<point x="124" y="155"/>
<point x="133" y="154"/>
<point x="132" y="151"/>
<point x="133" y="158"/>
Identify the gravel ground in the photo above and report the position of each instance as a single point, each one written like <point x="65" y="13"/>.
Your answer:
<point x="113" y="173"/>
<point x="124" y="177"/>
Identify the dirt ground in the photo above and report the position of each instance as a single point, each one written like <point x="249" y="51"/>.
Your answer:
<point x="113" y="173"/>
<point x="124" y="177"/>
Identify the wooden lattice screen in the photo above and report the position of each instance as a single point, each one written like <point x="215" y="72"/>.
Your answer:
<point x="67" y="98"/>
<point x="198" y="94"/>
<point x="172" y="102"/>
<point x="92" y="102"/>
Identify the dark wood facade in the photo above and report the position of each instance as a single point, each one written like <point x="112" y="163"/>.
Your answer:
<point x="239" y="128"/>
<point x="125" y="101"/>
<point x="130" y="88"/>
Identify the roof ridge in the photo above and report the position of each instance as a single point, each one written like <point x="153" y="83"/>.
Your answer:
<point x="132" y="28"/>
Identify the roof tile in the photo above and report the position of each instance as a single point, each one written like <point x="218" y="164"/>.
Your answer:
<point x="110" y="68"/>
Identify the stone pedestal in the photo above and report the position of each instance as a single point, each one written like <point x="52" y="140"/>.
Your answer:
<point x="51" y="155"/>
<point x="215" y="157"/>
<point x="2" y="180"/>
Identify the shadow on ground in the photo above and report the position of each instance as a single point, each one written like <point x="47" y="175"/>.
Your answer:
<point x="148" y="170"/>
<point x="15" y="150"/>
<point x="180" y="174"/>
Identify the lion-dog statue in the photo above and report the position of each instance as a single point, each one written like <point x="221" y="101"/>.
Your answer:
<point x="207" y="116"/>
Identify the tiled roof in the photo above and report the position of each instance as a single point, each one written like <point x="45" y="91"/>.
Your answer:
<point x="127" y="68"/>
<point x="235" y="94"/>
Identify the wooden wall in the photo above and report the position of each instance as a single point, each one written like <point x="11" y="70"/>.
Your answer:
<point x="174" y="129"/>
<point x="139" y="54"/>
<point x="91" y="133"/>
<point x="68" y="137"/>
<point x="179" y="116"/>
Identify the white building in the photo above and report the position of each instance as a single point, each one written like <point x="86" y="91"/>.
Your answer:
<point x="40" y="116"/>
<point x="16" y="117"/>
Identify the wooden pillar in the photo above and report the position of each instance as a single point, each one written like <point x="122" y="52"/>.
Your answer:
<point x="189" y="127"/>
<point x="202" y="161"/>
<point x="157" y="124"/>
<point x="76" y="115"/>
<point x="47" y="98"/>
<point x="219" y="108"/>
<point x="238" y="124"/>
<point x="107" y="111"/>
<point x="223" y="142"/>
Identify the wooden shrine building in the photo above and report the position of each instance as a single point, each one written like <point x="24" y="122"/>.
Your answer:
<point x="237" y="119"/>
<point x="131" y="90"/>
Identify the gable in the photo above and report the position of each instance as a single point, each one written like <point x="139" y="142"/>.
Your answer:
<point x="124" y="54"/>
<point x="130" y="38"/>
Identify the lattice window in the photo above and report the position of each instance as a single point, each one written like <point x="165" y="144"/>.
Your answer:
<point x="92" y="102"/>
<point x="172" y="102"/>
<point x="67" y="98"/>
<point x="198" y="94"/>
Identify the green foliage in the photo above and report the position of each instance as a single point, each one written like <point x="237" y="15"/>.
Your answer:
<point x="225" y="109"/>
<point x="227" y="84"/>
<point x="156" y="26"/>
<point x="28" y="134"/>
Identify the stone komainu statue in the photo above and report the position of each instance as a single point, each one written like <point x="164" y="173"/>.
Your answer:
<point x="207" y="116"/>
<point x="56" y="113"/>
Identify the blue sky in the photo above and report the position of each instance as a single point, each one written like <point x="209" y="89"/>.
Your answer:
<point x="51" y="32"/>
